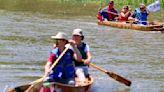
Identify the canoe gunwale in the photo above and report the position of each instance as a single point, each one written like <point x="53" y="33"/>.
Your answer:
<point x="124" y="25"/>
<point x="65" y="87"/>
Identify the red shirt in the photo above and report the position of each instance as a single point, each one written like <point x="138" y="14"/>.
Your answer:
<point x="99" y="17"/>
<point x="111" y="16"/>
<point x="123" y="18"/>
<point x="51" y="57"/>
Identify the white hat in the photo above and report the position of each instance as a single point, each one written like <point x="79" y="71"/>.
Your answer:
<point x="142" y="6"/>
<point x="60" y="35"/>
<point x="78" y="32"/>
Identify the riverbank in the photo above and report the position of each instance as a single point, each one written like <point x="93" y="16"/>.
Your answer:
<point x="65" y="9"/>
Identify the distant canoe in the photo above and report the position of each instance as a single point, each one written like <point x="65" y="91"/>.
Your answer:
<point x="85" y="87"/>
<point x="155" y="27"/>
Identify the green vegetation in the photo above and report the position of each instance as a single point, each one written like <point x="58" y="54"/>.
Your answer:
<point x="72" y="8"/>
<point x="57" y="8"/>
<point x="132" y="3"/>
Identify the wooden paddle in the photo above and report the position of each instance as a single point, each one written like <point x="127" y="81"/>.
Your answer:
<point x="52" y="66"/>
<point x="113" y="75"/>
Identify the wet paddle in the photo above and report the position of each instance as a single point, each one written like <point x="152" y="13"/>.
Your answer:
<point x="113" y="75"/>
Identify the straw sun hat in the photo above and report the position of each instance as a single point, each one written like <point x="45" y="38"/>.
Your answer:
<point x="60" y="35"/>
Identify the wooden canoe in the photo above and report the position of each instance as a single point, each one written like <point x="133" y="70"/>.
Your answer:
<point x="79" y="87"/>
<point x="156" y="26"/>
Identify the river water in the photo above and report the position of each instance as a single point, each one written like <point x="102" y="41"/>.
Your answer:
<point x="25" y="44"/>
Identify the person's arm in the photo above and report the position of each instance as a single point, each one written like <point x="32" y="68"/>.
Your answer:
<point x="89" y="58"/>
<point x="113" y="13"/>
<point x="77" y="55"/>
<point x="47" y="67"/>
<point x="127" y="14"/>
<point x="89" y="55"/>
<point x="122" y="14"/>
<point x="106" y="10"/>
<point x="49" y="62"/>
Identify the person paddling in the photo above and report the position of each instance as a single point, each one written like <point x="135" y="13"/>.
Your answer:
<point x="125" y="14"/>
<point x="141" y="14"/>
<point x="109" y="12"/>
<point x="64" y="71"/>
<point x="81" y="67"/>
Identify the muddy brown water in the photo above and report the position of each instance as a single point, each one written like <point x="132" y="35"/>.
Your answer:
<point x="25" y="44"/>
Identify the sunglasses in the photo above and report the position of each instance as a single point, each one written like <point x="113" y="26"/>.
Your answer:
<point x="142" y="8"/>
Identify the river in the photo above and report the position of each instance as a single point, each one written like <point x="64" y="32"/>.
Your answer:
<point x="25" y="44"/>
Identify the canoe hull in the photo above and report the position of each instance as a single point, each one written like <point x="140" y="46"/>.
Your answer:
<point x="58" y="86"/>
<point x="74" y="89"/>
<point x="155" y="27"/>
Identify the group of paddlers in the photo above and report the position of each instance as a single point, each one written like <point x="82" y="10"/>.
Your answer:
<point x="109" y="13"/>
<point x="68" y="59"/>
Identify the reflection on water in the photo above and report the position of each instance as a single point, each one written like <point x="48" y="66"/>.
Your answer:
<point x="25" y="44"/>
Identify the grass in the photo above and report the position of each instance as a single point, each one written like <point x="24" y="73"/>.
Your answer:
<point x="73" y="8"/>
<point x="162" y="91"/>
<point x="50" y="7"/>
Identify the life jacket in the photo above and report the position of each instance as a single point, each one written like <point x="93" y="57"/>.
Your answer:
<point x="141" y="16"/>
<point x="81" y="48"/>
<point x="65" y="67"/>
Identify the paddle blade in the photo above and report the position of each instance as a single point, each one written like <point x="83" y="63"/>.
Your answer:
<point x="119" y="78"/>
<point x="19" y="89"/>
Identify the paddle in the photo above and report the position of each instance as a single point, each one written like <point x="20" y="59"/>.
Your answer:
<point x="52" y="66"/>
<point x="113" y="75"/>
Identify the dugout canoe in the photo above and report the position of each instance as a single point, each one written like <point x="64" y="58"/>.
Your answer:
<point x="79" y="87"/>
<point x="154" y="26"/>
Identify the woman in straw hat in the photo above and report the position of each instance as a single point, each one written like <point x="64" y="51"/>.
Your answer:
<point x="81" y="67"/>
<point x="64" y="71"/>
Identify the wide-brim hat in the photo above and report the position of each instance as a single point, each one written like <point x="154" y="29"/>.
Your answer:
<point x="60" y="35"/>
<point x="78" y="31"/>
